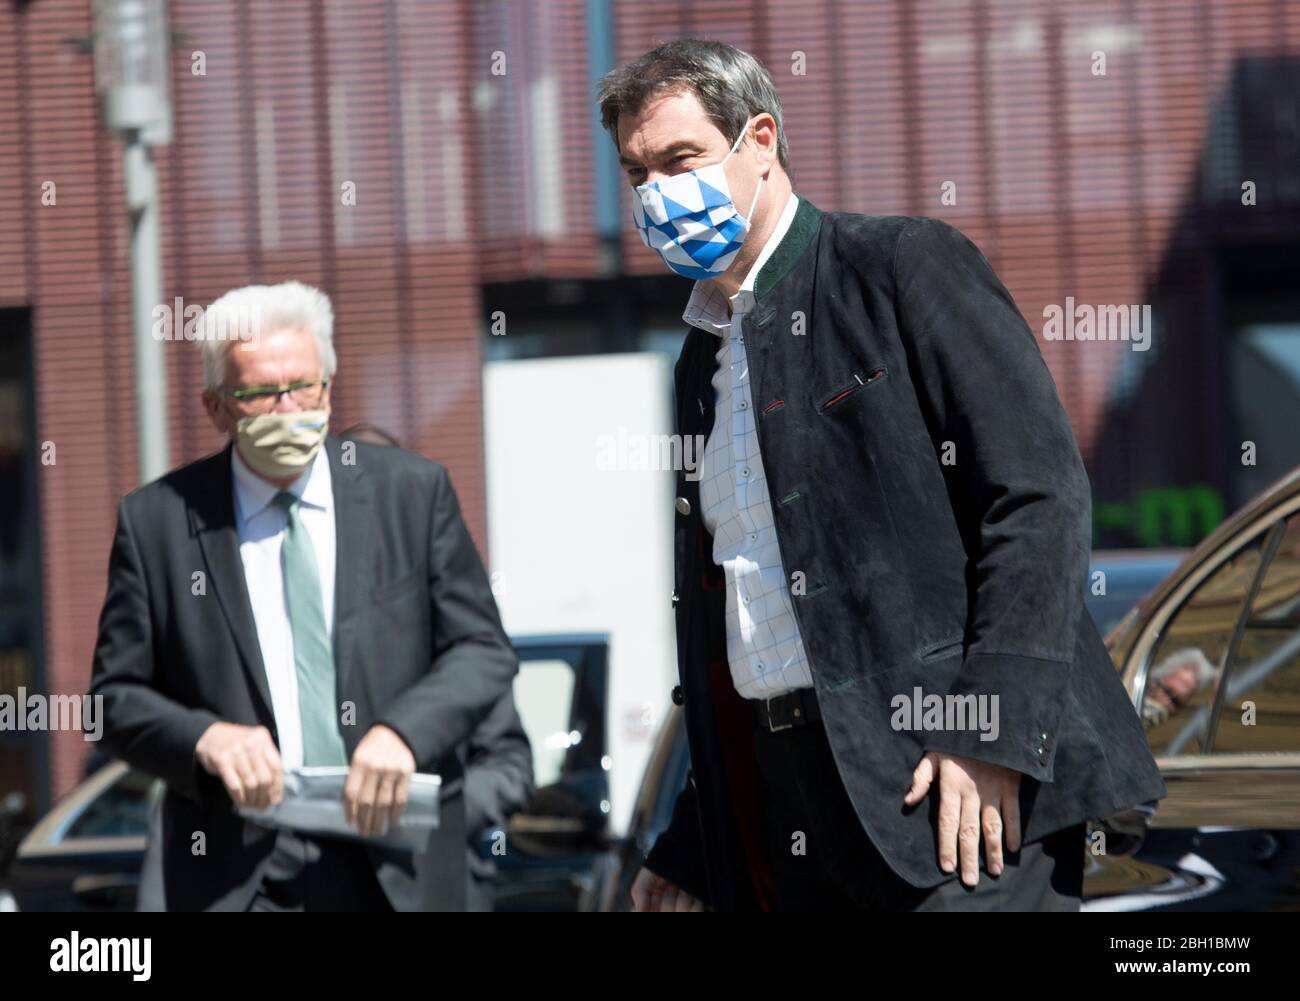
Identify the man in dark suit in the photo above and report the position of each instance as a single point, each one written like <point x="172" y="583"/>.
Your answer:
<point x="294" y="600"/>
<point x="894" y="697"/>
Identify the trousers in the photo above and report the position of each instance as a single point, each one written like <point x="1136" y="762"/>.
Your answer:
<point x="823" y="860"/>
<point x="314" y="873"/>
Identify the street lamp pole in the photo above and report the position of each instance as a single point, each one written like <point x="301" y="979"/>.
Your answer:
<point x="132" y="77"/>
<point x="146" y="292"/>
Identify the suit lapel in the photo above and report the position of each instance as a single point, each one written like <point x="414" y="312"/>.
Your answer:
<point x="352" y="514"/>
<point x="212" y="519"/>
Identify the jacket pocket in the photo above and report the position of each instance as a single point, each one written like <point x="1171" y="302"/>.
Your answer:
<point x="943" y="648"/>
<point x="860" y="381"/>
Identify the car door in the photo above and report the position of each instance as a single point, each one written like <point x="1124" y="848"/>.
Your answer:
<point x="552" y="854"/>
<point x="1215" y="674"/>
<point x="86" y="854"/>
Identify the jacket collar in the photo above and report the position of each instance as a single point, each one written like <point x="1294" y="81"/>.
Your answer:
<point x="807" y="217"/>
<point x="707" y="308"/>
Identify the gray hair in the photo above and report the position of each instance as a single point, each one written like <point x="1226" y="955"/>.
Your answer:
<point x="246" y="313"/>
<point x="729" y="83"/>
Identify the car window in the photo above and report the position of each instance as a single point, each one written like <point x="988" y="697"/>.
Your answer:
<point x="1261" y="699"/>
<point x="560" y="692"/>
<point x="120" y="811"/>
<point x="1188" y="658"/>
<point x="544" y="695"/>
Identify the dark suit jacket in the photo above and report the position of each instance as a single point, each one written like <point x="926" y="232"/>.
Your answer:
<point x="934" y="518"/>
<point x="418" y="646"/>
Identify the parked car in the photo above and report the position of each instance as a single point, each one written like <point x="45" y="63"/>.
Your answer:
<point x="1211" y="659"/>
<point x="86" y="854"/>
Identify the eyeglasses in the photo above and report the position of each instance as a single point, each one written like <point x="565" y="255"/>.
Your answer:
<point x="264" y="399"/>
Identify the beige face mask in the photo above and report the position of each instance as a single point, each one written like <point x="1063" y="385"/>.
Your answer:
<point x="281" y="445"/>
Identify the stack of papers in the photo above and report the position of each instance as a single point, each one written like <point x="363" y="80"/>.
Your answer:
<point x="313" y="803"/>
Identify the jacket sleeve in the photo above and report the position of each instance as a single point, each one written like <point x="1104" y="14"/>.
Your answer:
<point x="141" y="725"/>
<point x="1017" y="487"/>
<point x="678" y="852"/>
<point x="473" y="661"/>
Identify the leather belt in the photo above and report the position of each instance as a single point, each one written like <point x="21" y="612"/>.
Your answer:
<point x="783" y="712"/>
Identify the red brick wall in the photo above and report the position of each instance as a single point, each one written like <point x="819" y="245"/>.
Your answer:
<point x="297" y="99"/>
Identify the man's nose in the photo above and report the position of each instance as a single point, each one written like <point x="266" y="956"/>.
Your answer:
<point x="286" y="405"/>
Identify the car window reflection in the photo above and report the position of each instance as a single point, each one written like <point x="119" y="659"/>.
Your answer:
<point x="1188" y="659"/>
<point x="1261" y="703"/>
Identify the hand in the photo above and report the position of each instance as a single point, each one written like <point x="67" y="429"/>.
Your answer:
<point x="654" y="893"/>
<point x="246" y="760"/>
<point x="974" y="797"/>
<point x="379" y="780"/>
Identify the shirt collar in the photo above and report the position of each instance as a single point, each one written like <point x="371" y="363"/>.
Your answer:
<point x="253" y="494"/>
<point x="707" y="307"/>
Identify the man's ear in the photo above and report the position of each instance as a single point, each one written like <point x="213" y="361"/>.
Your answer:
<point x="769" y="123"/>
<point x="212" y="404"/>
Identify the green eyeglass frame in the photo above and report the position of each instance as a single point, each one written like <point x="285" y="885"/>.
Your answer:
<point x="253" y="395"/>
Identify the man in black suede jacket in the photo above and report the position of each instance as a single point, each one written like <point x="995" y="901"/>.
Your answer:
<point x="894" y="697"/>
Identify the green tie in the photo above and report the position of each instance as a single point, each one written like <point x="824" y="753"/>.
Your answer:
<point x="321" y="742"/>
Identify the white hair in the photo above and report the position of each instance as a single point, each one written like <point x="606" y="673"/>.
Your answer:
<point x="247" y="313"/>
<point x="1189" y="656"/>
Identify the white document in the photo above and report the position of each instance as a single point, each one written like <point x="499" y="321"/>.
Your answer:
<point x="313" y="803"/>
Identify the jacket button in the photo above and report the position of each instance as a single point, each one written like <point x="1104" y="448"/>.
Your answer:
<point x="683" y="506"/>
<point x="679" y="699"/>
<point x="676" y="598"/>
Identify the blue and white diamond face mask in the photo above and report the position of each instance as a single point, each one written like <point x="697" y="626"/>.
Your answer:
<point x="690" y="219"/>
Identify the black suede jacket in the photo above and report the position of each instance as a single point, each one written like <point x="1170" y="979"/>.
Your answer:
<point x="933" y="517"/>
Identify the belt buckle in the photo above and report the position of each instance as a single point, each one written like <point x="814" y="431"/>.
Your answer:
<point x="775" y="729"/>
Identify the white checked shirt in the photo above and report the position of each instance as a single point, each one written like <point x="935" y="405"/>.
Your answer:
<point x="764" y="648"/>
<point x="261" y="532"/>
